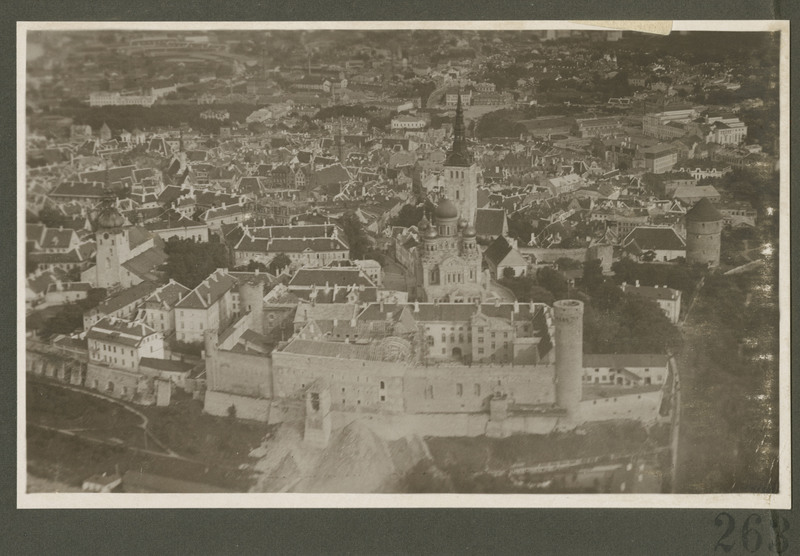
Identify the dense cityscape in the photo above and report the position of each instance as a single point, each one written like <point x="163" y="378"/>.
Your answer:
<point x="402" y="261"/>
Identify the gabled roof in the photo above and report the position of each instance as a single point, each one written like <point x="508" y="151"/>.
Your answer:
<point x="119" y="331"/>
<point x="490" y="222"/>
<point x="80" y="189"/>
<point x="209" y="291"/>
<point x="125" y="297"/>
<point x="145" y="264"/>
<point x="169" y="294"/>
<point x="653" y="239"/>
<point x="307" y="277"/>
<point x="497" y="251"/>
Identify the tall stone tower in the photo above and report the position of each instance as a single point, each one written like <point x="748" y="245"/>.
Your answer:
<point x="112" y="246"/>
<point x="459" y="180"/>
<point x="703" y="234"/>
<point x="569" y="353"/>
<point x="251" y="299"/>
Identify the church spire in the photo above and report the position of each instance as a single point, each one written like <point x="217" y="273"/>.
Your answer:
<point x="459" y="154"/>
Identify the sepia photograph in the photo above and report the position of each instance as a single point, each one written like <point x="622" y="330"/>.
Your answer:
<point x="534" y="264"/>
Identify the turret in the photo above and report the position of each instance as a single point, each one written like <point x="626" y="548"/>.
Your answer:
<point x="703" y="234"/>
<point x="568" y="316"/>
<point x="251" y="297"/>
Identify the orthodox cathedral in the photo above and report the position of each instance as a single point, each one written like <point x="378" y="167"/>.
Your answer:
<point x="449" y="261"/>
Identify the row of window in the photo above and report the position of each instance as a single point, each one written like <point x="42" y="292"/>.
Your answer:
<point x="476" y="390"/>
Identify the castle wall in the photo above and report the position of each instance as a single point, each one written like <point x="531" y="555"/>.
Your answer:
<point x="642" y="407"/>
<point x="239" y="373"/>
<point x="461" y="388"/>
<point x="114" y="382"/>
<point x="220" y="403"/>
<point x="354" y="384"/>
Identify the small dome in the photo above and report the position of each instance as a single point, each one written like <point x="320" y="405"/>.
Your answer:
<point x="431" y="233"/>
<point x="469" y="231"/>
<point x="110" y="217"/>
<point x="423" y="224"/>
<point x="462" y="223"/>
<point x="446" y="209"/>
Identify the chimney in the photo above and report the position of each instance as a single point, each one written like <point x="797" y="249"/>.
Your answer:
<point x="381" y="306"/>
<point x="516" y="306"/>
<point x="637" y="283"/>
<point x="416" y="306"/>
<point x="256" y="272"/>
<point x="208" y="298"/>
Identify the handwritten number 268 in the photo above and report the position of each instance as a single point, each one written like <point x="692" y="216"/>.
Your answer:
<point x="751" y="534"/>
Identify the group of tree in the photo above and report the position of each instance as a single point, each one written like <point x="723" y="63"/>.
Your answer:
<point x="614" y="321"/>
<point x="190" y="262"/>
<point x="158" y="115"/>
<point x="499" y="123"/>
<point x="357" y="238"/>
<point x="67" y="318"/>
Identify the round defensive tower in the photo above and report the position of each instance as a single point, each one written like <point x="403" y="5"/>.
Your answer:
<point x="568" y="316"/>
<point x="703" y="234"/>
<point x="251" y="297"/>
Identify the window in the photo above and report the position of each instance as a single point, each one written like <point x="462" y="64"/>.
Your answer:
<point x="383" y="385"/>
<point x="480" y="339"/>
<point x="476" y="389"/>
<point x="459" y="390"/>
<point x="429" y="392"/>
<point x="480" y="329"/>
<point x="480" y="351"/>
<point x="444" y="351"/>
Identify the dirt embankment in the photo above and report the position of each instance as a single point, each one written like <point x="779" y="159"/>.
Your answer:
<point x="355" y="460"/>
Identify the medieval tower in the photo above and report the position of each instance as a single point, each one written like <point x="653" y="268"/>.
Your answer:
<point x="251" y="300"/>
<point x="568" y="316"/>
<point x="703" y="234"/>
<point x="112" y="246"/>
<point x="459" y="181"/>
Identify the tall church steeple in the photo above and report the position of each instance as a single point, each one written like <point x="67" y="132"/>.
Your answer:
<point x="459" y="154"/>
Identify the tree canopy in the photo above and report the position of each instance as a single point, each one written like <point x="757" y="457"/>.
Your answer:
<point x="354" y="233"/>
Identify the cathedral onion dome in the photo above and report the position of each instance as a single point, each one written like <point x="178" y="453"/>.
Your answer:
<point x="446" y="209"/>
<point x="469" y="231"/>
<point x="431" y="233"/>
<point x="110" y="217"/>
<point x="423" y="224"/>
<point x="462" y="223"/>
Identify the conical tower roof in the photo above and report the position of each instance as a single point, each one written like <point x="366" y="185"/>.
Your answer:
<point x="704" y="211"/>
